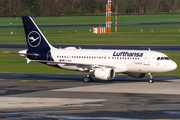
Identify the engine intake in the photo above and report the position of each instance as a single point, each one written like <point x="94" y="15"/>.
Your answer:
<point x="104" y="73"/>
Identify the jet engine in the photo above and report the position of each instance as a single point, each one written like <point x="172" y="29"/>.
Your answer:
<point x="137" y="75"/>
<point x="104" y="73"/>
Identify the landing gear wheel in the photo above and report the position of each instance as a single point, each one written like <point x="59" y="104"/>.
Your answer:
<point x="87" y="79"/>
<point x="90" y="79"/>
<point x="151" y="81"/>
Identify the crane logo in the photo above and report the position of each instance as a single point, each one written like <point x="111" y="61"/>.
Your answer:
<point x="34" y="39"/>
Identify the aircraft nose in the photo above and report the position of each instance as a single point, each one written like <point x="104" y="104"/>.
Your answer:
<point x="173" y="65"/>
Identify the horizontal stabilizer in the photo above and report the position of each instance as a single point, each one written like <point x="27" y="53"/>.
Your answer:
<point x="23" y="54"/>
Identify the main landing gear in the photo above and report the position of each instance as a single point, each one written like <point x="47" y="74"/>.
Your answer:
<point x="88" y="79"/>
<point x="151" y="78"/>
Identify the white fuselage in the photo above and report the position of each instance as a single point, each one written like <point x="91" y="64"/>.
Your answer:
<point x="138" y="61"/>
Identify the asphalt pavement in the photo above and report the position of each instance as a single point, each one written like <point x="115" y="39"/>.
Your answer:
<point x="66" y="97"/>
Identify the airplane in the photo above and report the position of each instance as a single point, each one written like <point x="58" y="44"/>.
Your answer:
<point x="102" y="64"/>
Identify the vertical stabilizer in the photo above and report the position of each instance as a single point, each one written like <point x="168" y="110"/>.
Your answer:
<point x="34" y="37"/>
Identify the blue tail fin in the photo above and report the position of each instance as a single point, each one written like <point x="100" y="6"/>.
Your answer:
<point x="35" y="39"/>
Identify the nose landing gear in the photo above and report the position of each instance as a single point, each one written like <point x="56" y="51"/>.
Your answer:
<point x="151" y="78"/>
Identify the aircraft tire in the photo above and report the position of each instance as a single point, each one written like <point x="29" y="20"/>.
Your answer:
<point x="151" y="81"/>
<point x="90" y="79"/>
<point x="87" y="79"/>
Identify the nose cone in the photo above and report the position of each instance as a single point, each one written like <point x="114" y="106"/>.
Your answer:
<point x="172" y="66"/>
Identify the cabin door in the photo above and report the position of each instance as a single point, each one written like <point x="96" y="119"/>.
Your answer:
<point x="147" y="59"/>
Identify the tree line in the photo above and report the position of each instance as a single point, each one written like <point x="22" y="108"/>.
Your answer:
<point x="83" y="7"/>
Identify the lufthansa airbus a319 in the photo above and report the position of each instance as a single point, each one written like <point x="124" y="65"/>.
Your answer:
<point x="102" y="64"/>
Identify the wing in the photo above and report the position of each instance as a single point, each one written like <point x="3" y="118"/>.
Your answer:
<point x="119" y="68"/>
<point x="80" y="65"/>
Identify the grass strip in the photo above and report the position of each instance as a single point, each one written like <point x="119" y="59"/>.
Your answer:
<point x="94" y="19"/>
<point x="147" y="34"/>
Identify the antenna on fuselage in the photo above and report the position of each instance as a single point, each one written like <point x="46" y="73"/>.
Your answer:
<point x="149" y="49"/>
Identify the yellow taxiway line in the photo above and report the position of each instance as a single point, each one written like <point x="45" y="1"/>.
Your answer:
<point x="153" y="83"/>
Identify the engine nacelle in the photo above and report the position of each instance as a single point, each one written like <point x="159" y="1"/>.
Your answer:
<point x="137" y="75"/>
<point x="68" y="67"/>
<point x="104" y="73"/>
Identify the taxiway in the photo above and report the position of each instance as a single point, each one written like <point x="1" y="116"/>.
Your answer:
<point x="66" y="96"/>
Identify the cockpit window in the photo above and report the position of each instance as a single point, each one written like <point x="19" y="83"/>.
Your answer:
<point x="162" y="58"/>
<point x="166" y="58"/>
